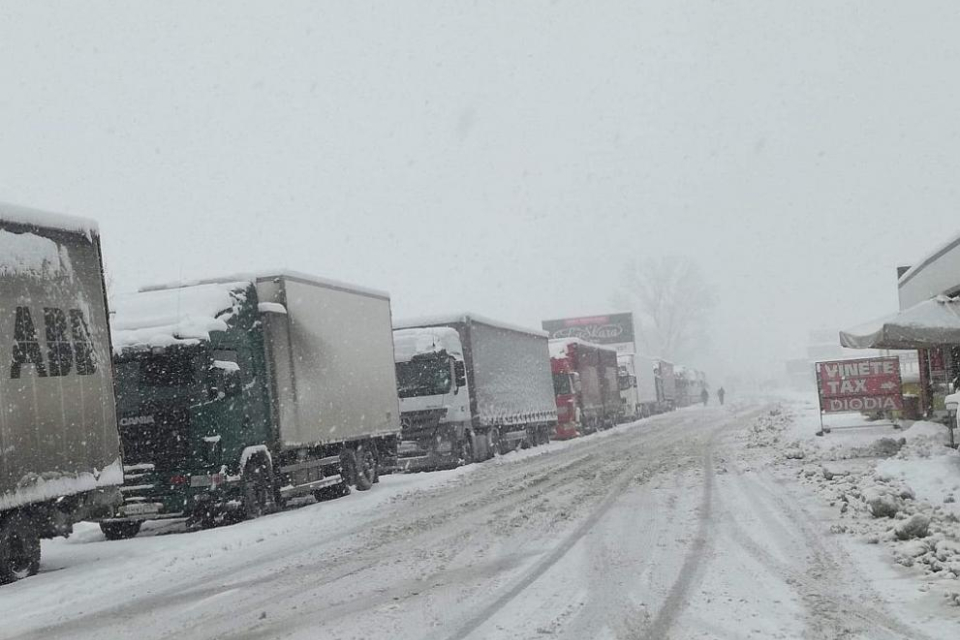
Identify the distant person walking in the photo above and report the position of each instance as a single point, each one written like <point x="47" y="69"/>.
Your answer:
<point x="704" y="396"/>
<point x="720" y="394"/>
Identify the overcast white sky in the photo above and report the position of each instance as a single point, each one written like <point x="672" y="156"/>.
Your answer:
<point x="505" y="157"/>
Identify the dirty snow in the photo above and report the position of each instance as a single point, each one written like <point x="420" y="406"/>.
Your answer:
<point x="895" y="488"/>
<point x="687" y="525"/>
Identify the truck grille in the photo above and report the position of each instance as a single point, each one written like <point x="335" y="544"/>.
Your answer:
<point x="164" y="443"/>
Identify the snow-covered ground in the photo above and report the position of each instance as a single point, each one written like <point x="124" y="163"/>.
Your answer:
<point x="689" y="525"/>
<point x="892" y="486"/>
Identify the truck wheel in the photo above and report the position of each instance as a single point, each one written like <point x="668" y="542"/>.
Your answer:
<point x="257" y="486"/>
<point x="120" y="530"/>
<point x="466" y="449"/>
<point x="19" y="549"/>
<point x="366" y="468"/>
<point x="545" y="434"/>
<point x="348" y="467"/>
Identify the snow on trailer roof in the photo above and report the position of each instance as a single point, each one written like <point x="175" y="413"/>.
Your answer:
<point x="46" y="219"/>
<point x="929" y="258"/>
<point x="408" y="343"/>
<point x="558" y="346"/>
<point x="165" y="317"/>
<point x="463" y="318"/>
<point x="271" y="274"/>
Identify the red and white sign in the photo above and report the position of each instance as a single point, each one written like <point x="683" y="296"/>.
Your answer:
<point x="864" y="384"/>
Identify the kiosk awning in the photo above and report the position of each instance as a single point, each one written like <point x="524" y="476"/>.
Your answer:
<point x="927" y="324"/>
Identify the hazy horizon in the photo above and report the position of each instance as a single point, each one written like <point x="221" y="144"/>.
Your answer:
<point x="507" y="158"/>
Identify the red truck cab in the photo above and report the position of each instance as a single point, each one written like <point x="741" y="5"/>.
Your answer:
<point x="586" y="386"/>
<point x="566" y="384"/>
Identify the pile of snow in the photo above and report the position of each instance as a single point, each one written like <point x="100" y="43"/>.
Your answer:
<point x="768" y="429"/>
<point x="895" y="488"/>
<point x="183" y="315"/>
<point x="883" y="508"/>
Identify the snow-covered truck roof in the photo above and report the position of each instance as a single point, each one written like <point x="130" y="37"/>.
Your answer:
<point x="181" y="315"/>
<point x="420" y="341"/>
<point x="463" y="318"/>
<point x="17" y="214"/>
<point x="560" y="346"/>
<point x="273" y="274"/>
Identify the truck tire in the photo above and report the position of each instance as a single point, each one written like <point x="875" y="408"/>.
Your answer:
<point x="257" y="489"/>
<point x="544" y="432"/>
<point x="466" y="449"/>
<point x="366" y="469"/>
<point x="348" y="467"/>
<point x="120" y="530"/>
<point x="19" y="548"/>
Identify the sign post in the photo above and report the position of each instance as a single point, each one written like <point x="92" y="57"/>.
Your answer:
<point x="859" y="385"/>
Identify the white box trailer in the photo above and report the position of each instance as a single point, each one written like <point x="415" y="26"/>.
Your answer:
<point x="639" y="389"/>
<point x="59" y="449"/>
<point x="330" y="353"/>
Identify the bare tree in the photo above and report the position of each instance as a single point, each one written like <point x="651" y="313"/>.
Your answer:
<point x="672" y="302"/>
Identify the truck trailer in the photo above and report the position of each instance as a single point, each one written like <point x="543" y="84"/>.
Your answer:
<point x="638" y="385"/>
<point x="666" y="385"/>
<point x="586" y="386"/>
<point x="60" y="460"/>
<point x="237" y="394"/>
<point x="470" y="387"/>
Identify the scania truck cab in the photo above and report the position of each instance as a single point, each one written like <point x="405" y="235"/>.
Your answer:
<point x="235" y="395"/>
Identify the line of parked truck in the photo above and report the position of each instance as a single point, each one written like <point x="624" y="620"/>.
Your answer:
<point x="220" y="400"/>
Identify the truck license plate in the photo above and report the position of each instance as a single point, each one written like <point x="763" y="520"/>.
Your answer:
<point x="140" y="509"/>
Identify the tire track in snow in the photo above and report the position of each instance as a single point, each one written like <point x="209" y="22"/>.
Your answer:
<point x="822" y="585"/>
<point x="623" y="481"/>
<point x="690" y="571"/>
<point x="478" y="619"/>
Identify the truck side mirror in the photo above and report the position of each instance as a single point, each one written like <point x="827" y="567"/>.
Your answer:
<point x="576" y="382"/>
<point x="460" y="373"/>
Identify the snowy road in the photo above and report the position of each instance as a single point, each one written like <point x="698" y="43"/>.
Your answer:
<point x="663" y="529"/>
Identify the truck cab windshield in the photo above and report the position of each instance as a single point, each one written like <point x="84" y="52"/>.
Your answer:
<point x="424" y="376"/>
<point x="561" y="384"/>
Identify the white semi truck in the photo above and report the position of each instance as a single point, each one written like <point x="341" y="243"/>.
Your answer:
<point x="470" y="387"/>
<point x="638" y="385"/>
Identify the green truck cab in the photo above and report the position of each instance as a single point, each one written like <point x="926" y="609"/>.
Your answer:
<point x="235" y="395"/>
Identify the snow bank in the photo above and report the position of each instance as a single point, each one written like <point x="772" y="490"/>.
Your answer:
<point x="163" y="317"/>
<point x="51" y="485"/>
<point x="408" y="343"/>
<point x="889" y="487"/>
